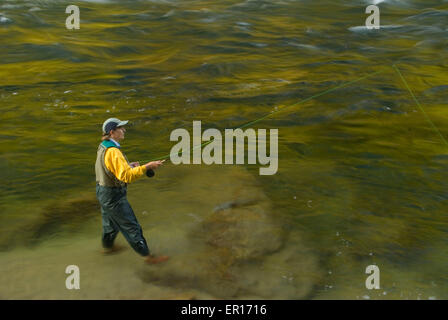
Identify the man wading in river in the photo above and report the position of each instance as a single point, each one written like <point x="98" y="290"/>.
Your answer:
<point x="113" y="173"/>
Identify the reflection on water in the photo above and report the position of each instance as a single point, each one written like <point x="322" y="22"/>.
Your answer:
<point x="361" y="175"/>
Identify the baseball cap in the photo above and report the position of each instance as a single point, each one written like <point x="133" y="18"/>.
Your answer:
<point x="112" y="123"/>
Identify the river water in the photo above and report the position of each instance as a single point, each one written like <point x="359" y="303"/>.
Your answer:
<point x="362" y="172"/>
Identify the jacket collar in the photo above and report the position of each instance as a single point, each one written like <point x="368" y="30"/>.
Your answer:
<point x="116" y="143"/>
<point x="110" y="144"/>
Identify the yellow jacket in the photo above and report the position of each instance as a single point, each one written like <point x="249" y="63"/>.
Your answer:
<point x="116" y="163"/>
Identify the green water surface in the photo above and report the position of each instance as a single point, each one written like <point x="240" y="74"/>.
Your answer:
<point x="362" y="173"/>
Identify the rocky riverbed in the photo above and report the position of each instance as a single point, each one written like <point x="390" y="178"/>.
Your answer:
<point x="223" y="237"/>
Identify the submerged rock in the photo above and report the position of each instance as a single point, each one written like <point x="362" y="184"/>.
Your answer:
<point x="64" y="216"/>
<point x="245" y="231"/>
<point x="238" y="249"/>
<point x="67" y="215"/>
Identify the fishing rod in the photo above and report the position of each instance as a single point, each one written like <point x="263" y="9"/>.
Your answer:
<point x="274" y="112"/>
<point x="393" y="66"/>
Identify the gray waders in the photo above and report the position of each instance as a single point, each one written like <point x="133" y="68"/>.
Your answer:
<point x="118" y="216"/>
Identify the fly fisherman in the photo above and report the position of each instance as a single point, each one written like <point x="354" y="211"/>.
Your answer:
<point x="113" y="173"/>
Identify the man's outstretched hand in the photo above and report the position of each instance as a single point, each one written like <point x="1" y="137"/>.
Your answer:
<point x="154" y="164"/>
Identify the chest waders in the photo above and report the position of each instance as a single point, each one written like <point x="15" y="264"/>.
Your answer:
<point x="117" y="214"/>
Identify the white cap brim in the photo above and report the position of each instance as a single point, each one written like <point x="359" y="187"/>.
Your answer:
<point x="122" y="123"/>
